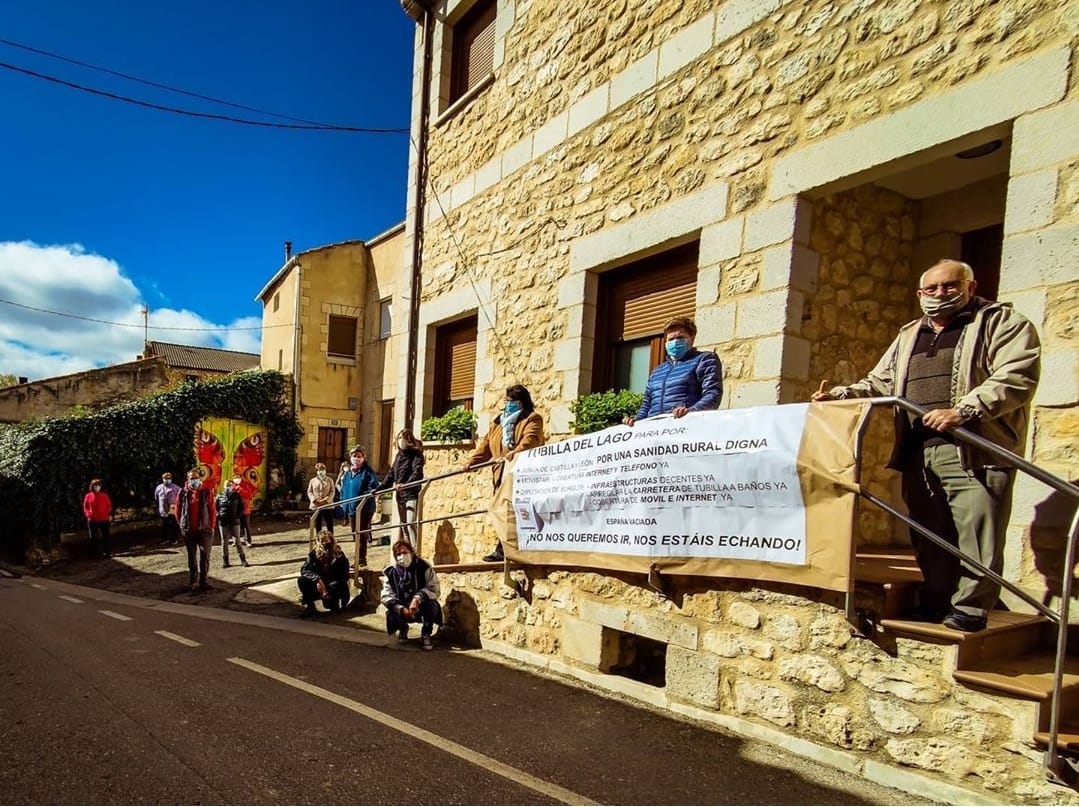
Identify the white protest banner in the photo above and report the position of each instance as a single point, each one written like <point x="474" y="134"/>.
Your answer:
<point x="725" y="493"/>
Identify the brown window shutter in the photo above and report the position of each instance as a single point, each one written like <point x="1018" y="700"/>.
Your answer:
<point x="456" y="373"/>
<point x="462" y="370"/>
<point x="474" y="51"/>
<point x="643" y="298"/>
<point x="636" y="301"/>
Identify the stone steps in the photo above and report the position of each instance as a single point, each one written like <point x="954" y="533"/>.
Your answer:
<point x="1011" y="657"/>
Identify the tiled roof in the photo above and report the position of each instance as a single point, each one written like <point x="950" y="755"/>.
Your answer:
<point x="188" y="357"/>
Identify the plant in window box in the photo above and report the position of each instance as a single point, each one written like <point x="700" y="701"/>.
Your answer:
<point x="456" y="426"/>
<point x="598" y="410"/>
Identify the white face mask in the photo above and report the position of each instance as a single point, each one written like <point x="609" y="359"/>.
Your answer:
<point x="404" y="560"/>
<point x="321" y="474"/>
<point x="96" y="488"/>
<point x="402" y="444"/>
<point x="942" y="306"/>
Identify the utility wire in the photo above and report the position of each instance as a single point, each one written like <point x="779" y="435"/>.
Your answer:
<point x="135" y="324"/>
<point x="149" y="83"/>
<point x="193" y="114"/>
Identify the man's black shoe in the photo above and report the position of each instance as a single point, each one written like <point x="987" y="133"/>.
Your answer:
<point x="923" y="613"/>
<point x="494" y="557"/>
<point x="968" y="623"/>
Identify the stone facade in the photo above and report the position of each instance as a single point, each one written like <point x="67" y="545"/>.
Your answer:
<point x="808" y="147"/>
<point x="350" y="279"/>
<point x="56" y="397"/>
<point x="813" y="152"/>
<point x="744" y="658"/>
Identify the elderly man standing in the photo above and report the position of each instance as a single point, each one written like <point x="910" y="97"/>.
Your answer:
<point x="971" y="363"/>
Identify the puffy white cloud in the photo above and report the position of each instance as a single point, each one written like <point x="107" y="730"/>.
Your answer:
<point x="67" y="279"/>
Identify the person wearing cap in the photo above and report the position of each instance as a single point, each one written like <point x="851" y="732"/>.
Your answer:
<point x="167" y="496"/>
<point x="410" y="594"/>
<point x="689" y="380"/>
<point x="357" y="481"/>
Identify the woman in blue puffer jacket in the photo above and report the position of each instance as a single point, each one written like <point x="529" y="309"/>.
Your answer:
<point x="689" y="380"/>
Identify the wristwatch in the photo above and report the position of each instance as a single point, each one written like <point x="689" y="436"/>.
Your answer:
<point x="968" y="413"/>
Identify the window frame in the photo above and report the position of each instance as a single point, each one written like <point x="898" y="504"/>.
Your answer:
<point x="333" y="355"/>
<point x="447" y="336"/>
<point x="478" y="24"/>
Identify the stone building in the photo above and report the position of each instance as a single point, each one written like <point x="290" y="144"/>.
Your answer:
<point x="783" y="172"/>
<point x="163" y="366"/>
<point x="331" y="319"/>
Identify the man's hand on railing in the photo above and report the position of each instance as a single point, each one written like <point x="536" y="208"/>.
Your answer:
<point x="943" y="420"/>
<point x="628" y="420"/>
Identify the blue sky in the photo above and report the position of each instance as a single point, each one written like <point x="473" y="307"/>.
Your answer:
<point x="110" y="206"/>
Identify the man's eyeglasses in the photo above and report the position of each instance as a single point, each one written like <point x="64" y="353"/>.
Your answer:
<point x="951" y="285"/>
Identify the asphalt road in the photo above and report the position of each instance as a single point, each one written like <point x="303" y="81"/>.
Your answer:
<point x="107" y="700"/>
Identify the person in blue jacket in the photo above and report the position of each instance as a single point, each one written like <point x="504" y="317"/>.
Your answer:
<point x="689" y="380"/>
<point x="356" y="481"/>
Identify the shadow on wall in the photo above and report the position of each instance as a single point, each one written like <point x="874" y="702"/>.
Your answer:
<point x="462" y="619"/>
<point x="1048" y="542"/>
<point x="446" y="551"/>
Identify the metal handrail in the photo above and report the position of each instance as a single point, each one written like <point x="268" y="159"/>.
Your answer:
<point x="1052" y="756"/>
<point x="421" y="483"/>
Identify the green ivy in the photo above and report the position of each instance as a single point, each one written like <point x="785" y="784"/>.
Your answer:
<point x="598" y="410"/>
<point x="45" y="464"/>
<point x="457" y="426"/>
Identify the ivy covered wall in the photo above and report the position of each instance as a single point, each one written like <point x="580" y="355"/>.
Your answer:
<point x="46" y="465"/>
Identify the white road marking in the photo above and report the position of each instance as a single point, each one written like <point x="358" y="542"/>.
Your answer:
<point x="515" y="775"/>
<point x="6" y="573"/>
<point x="39" y="587"/>
<point x="69" y="598"/>
<point x="178" y="638"/>
<point x="115" y="615"/>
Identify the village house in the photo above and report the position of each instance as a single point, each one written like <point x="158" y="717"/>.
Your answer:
<point x="783" y="172"/>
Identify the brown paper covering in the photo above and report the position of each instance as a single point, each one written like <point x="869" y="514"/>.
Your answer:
<point x="828" y="473"/>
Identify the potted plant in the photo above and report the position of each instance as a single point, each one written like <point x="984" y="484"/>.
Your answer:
<point x="456" y="426"/>
<point x="598" y="410"/>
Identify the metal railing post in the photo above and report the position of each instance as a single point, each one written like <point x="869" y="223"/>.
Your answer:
<point x="1052" y="755"/>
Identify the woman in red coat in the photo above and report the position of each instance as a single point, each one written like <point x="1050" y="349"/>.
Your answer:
<point x="97" y="507"/>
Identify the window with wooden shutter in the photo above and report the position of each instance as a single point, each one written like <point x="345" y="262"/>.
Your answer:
<point x="455" y="369"/>
<point x="633" y="305"/>
<point x="473" y="48"/>
<point x="341" y="337"/>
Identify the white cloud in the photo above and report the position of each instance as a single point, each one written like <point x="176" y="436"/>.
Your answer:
<point x="66" y="278"/>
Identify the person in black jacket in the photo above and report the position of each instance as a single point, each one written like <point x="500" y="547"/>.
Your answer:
<point x="410" y="594"/>
<point x="230" y="513"/>
<point x="407" y="469"/>
<point x="324" y="576"/>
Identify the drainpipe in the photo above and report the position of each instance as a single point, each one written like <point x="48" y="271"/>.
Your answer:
<point x="421" y="11"/>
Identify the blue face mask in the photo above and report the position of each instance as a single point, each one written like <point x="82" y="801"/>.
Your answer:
<point x="677" y="348"/>
<point x="512" y="407"/>
<point x="194" y="483"/>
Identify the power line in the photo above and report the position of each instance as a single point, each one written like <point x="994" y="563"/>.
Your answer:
<point x="160" y="86"/>
<point x="144" y="325"/>
<point x="192" y="113"/>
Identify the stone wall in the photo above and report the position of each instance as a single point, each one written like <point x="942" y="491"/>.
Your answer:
<point x="746" y="658"/>
<point x="863" y="239"/>
<point x="455" y="540"/>
<point x="55" y="397"/>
